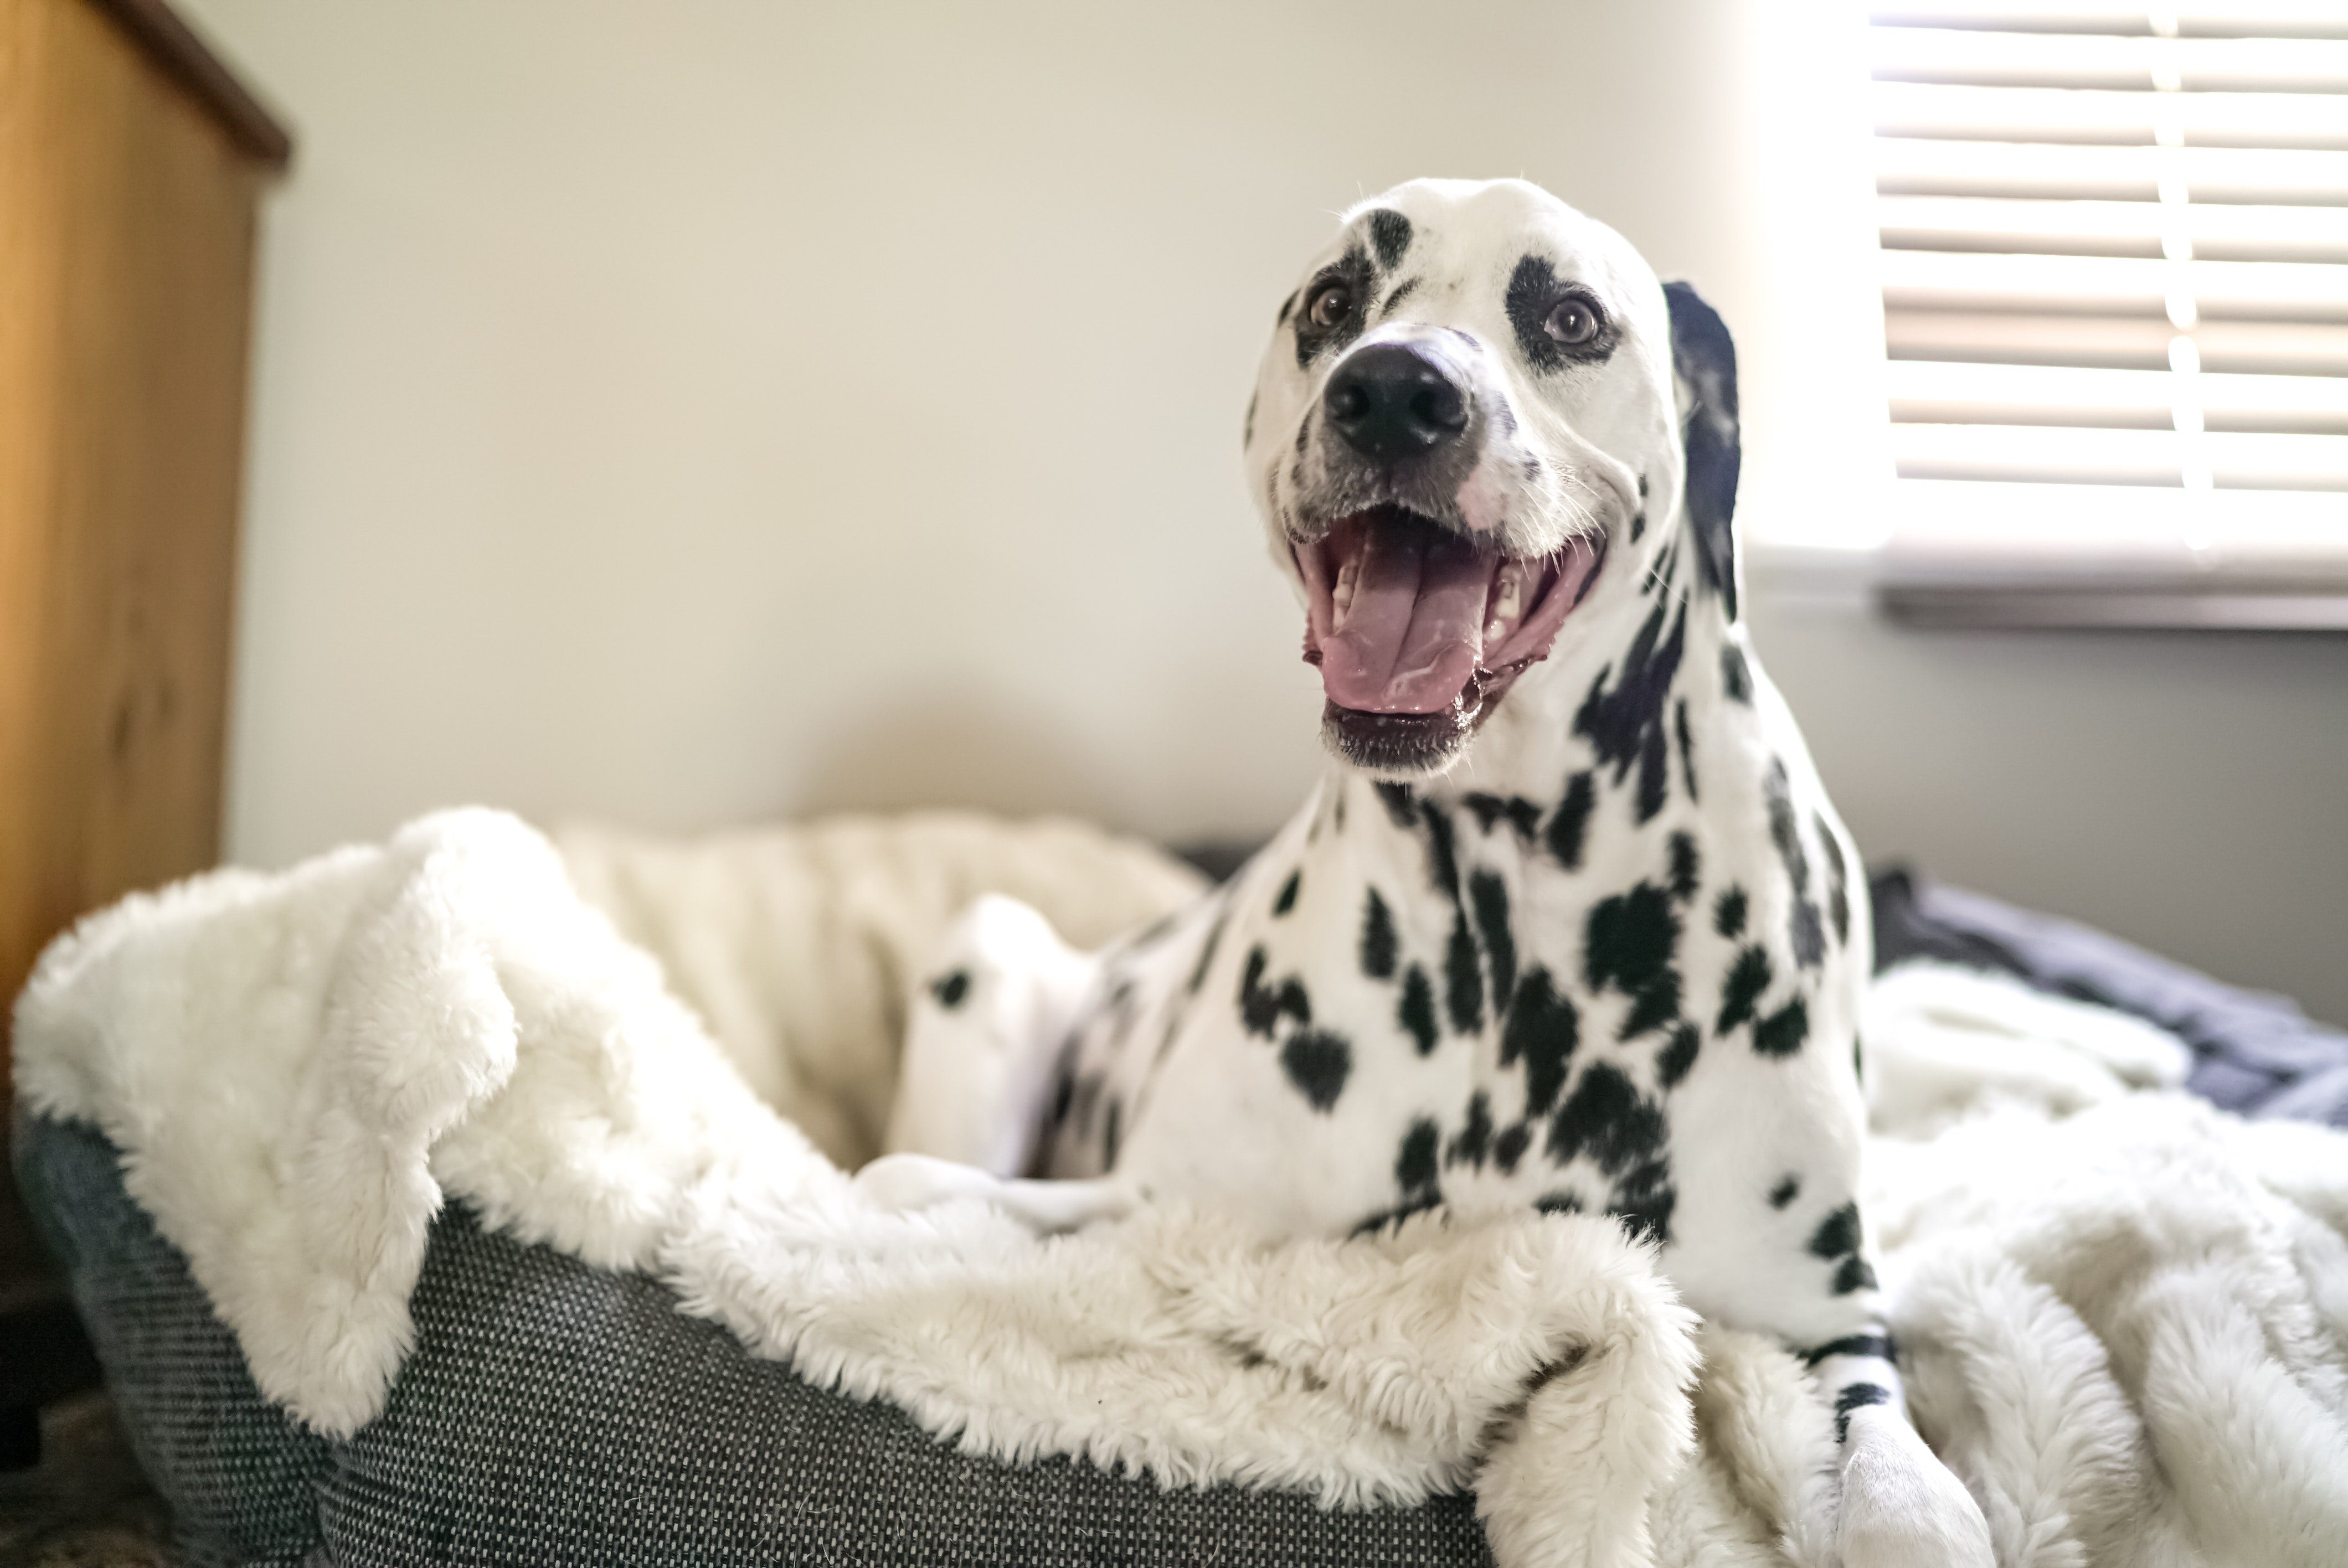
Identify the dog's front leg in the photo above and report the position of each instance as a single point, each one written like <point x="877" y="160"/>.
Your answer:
<point x="1900" y="1504"/>
<point x="986" y="1026"/>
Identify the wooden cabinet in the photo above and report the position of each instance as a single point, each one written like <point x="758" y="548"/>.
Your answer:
<point x="131" y="166"/>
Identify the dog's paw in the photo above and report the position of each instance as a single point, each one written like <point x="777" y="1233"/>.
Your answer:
<point x="1901" y="1507"/>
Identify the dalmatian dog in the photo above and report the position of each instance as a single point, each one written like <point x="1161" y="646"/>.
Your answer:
<point x="1570" y="922"/>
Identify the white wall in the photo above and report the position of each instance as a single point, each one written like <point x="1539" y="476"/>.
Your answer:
<point x="699" y="411"/>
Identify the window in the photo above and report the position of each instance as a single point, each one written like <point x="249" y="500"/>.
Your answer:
<point x="2114" y="263"/>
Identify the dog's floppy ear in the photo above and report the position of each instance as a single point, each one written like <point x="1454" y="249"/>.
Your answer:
<point x="1706" y="361"/>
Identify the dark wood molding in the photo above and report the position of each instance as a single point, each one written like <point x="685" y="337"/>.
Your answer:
<point x="176" y="50"/>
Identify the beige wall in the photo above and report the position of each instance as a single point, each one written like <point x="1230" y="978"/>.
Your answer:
<point x="692" y="412"/>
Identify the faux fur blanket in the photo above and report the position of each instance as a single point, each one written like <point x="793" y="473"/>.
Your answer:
<point x="2125" y="1314"/>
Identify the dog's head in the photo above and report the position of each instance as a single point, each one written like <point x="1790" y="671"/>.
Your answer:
<point x="1480" y="411"/>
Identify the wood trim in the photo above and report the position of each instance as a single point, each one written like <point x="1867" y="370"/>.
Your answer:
<point x="173" y="48"/>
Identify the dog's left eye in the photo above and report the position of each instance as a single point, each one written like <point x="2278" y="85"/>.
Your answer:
<point x="1572" y="322"/>
<point x="1331" y="303"/>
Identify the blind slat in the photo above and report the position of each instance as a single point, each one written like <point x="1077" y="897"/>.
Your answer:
<point x="2208" y="19"/>
<point x="1915" y="166"/>
<point x="2157" y="457"/>
<point x="2292" y="291"/>
<point x="2280" y="401"/>
<point x="1995" y="223"/>
<point x="2116" y="341"/>
<point x="2121" y="118"/>
<point x="2093" y="60"/>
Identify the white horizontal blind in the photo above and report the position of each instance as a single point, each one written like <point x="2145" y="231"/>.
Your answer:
<point x="2115" y="249"/>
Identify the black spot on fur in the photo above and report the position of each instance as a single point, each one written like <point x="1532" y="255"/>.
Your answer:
<point x="1629" y="945"/>
<point x="1442" y="856"/>
<point x="1262" y="1006"/>
<point x="1485" y="808"/>
<point x="1403" y="290"/>
<point x="1736" y="679"/>
<point x="1386" y="1219"/>
<point x="1785" y="1031"/>
<point x="1856" y="1397"/>
<point x="1802" y="928"/>
<point x="1488" y="895"/>
<point x="1463" y="978"/>
<point x="1676" y="1058"/>
<point x="1638" y="525"/>
<point x="1728" y="914"/>
<point x="1416" y="1010"/>
<point x="1533" y="291"/>
<point x="1570" y="825"/>
<point x="1838" y="1235"/>
<point x="1644" y="1202"/>
<point x="1785" y="1192"/>
<point x="1838" y="878"/>
<point x="1685" y="867"/>
<point x="1247" y="425"/>
<point x="1747" y="979"/>
<point x="1510" y="1147"/>
<point x="1625" y="724"/>
<point x="1687" y="747"/>
<point x="1559" y="1203"/>
<point x="1110" y="1127"/>
<point x="1061" y="1094"/>
<point x="1286" y="900"/>
<point x="1378" y="944"/>
<point x="1630" y="939"/>
<point x="1317" y="1062"/>
<point x="1414" y="1166"/>
<point x="1657" y="1004"/>
<point x="1541" y="1031"/>
<point x="1856" y="1273"/>
<point x="1880" y="1345"/>
<point x="1390" y="234"/>
<point x="1400" y="806"/>
<point x="951" y="988"/>
<point x="1473" y="1141"/>
<point x="1533" y="468"/>
<point x="1606" y="1119"/>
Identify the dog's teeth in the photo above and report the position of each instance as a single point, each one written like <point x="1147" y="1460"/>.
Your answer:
<point x="1493" y="628"/>
<point x="1347" y="578"/>
<point x="1507" y="596"/>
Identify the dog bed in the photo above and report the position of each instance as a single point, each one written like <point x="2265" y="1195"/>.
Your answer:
<point x="418" y="1218"/>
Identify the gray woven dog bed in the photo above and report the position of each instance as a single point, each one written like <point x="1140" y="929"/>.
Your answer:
<point x="554" y="1413"/>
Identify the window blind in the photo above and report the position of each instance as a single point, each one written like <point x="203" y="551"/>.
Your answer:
<point x="2114" y="253"/>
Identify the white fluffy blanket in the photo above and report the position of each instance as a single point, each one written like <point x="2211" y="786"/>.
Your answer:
<point x="2125" y="1314"/>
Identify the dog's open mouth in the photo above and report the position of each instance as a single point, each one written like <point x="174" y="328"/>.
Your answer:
<point x="1412" y="624"/>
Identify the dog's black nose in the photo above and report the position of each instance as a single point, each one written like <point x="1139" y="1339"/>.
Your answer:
<point x="1391" y="401"/>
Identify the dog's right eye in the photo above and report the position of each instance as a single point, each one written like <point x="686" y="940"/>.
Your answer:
<point x="1331" y="303"/>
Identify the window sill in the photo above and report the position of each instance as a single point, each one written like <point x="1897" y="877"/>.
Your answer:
<point x="1974" y="554"/>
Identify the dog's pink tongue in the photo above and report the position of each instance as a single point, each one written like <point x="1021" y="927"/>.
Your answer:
<point x="1413" y="632"/>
